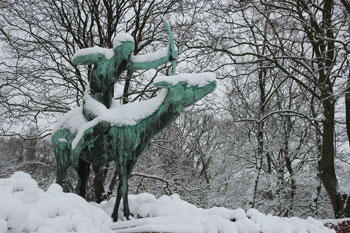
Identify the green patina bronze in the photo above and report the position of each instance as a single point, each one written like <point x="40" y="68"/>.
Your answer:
<point x="171" y="45"/>
<point x="104" y="142"/>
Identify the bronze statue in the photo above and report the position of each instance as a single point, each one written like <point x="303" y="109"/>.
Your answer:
<point x="99" y="141"/>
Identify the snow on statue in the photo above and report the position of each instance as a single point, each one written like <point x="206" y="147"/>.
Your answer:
<point x="103" y="131"/>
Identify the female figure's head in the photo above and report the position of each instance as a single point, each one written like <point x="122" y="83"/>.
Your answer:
<point x="124" y="45"/>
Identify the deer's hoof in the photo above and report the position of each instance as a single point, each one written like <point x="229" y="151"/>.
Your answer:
<point x="115" y="217"/>
<point x="129" y="216"/>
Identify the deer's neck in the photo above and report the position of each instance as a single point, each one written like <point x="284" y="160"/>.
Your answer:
<point x="166" y="113"/>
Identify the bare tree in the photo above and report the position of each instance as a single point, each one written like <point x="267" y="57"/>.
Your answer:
<point x="346" y="5"/>
<point x="305" y="44"/>
<point x="308" y="52"/>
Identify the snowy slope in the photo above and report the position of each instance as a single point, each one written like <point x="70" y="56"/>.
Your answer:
<point x="26" y="208"/>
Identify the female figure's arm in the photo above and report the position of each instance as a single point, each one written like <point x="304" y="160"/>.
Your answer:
<point x="152" y="60"/>
<point x="90" y="56"/>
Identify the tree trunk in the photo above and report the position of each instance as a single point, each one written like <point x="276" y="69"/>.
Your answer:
<point x="347" y="108"/>
<point x="293" y="185"/>
<point x="251" y="202"/>
<point x="340" y="201"/>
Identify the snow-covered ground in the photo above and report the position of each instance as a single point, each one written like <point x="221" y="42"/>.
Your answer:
<point x="26" y="208"/>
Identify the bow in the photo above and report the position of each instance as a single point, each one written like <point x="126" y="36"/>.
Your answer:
<point x="171" y="45"/>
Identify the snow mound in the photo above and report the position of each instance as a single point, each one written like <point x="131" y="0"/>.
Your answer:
<point x="171" y="214"/>
<point x="26" y="208"/>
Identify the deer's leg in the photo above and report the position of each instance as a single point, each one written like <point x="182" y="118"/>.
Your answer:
<point x="117" y="203"/>
<point x="83" y="171"/>
<point x="61" y="171"/>
<point x="98" y="182"/>
<point x="129" y="168"/>
<point x="125" y="190"/>
<point x="123" y="185"/>
<point x="62" y="153"/>
<point x="124" y="168"/>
